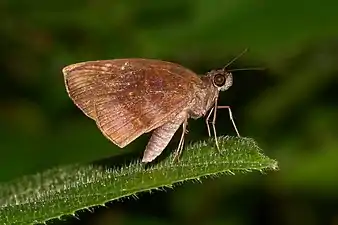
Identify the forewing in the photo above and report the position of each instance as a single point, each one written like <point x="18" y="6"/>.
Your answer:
<point x="83" y="86"/>
<point x="129" y="97"/>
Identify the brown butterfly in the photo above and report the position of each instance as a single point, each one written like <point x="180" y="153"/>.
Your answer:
<point x="129" y="97"/>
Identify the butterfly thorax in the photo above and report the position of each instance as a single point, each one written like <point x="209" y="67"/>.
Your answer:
<point x="206" y="94"/>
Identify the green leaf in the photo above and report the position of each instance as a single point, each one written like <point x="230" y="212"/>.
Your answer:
<point x="65" y="190"/>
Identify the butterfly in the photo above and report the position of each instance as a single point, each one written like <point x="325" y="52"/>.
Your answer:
<point x="129" y="97"/>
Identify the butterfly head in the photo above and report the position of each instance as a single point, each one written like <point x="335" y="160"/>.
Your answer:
<point x="221" y="79"/>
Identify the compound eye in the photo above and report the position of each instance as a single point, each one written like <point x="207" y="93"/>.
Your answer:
<point x="219" y="80"/>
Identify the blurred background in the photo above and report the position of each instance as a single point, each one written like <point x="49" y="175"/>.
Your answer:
<point x="290" y="108"/>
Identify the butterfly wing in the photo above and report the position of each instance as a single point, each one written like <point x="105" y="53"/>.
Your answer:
<point x="129" y="97"/>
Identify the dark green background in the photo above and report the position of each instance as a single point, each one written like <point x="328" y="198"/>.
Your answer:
<point x="290" y="108"/>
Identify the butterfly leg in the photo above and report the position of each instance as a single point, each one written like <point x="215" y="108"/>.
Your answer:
<point x="207" y="121"/>
<point x="162" y="136"/>
<point x="179" y="149"/>
<point x="231" y="117"/>
<point x="213" y="122"/>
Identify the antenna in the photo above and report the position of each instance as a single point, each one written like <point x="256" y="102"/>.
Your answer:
<point x="237" y="57"/>
<point x="249" y="68"/>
